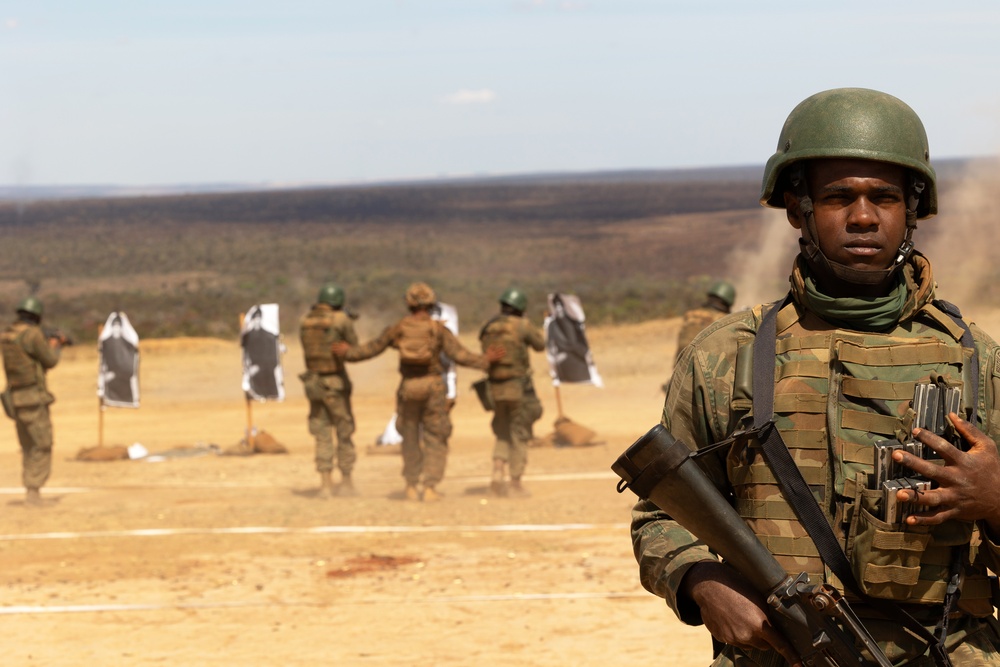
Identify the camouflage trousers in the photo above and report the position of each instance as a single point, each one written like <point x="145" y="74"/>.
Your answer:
<point x="512" y="427"/>
<point x="34" y="432"/>
<point x="972" y="642"/>
<point x="333" y="412"/>
<point x="423" y="421"/>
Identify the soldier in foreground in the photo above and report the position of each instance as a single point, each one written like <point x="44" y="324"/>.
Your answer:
<point x="719" y="301"/>
<point x="328" y="388"/>
<point x="28" y="354"/>
<point x="421" y="401"/>
<point x="857" y="336"/>
<point x="515" y="404"/>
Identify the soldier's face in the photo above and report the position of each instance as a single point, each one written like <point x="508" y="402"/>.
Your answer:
<point x="860" y="211"/>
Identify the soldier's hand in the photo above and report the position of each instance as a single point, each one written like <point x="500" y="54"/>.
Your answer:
<point x="495" y="353"/>
<point x="966" y="483"/>
<point x="340" y="348"/>
<point x="733" y="611"/>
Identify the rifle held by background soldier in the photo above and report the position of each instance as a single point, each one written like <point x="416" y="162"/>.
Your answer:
<point x="815" y="618"/>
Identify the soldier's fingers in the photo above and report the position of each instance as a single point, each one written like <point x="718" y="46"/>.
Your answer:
<point x="970" y="433"/>
<point x="947" y="451"/>
<point x="932" y="517"/>
<point x="920" y="466"/>
<point x="778" y="642"/>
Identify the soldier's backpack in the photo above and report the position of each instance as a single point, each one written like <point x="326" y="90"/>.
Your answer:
<point x="417" y="343"/>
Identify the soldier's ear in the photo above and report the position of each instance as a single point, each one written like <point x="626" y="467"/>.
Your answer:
<point x="792" y="210"/>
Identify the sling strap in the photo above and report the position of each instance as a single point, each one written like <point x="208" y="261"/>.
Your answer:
<point x="797" y="493"/>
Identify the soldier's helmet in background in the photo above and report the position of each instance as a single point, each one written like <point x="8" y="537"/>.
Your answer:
<point x="724" y="291"/>
<point x="332" y="295"/>
<point x="30" y="304"/>
<point x="515" y="298"/>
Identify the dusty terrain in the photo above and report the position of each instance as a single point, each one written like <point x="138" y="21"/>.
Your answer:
<point x="222" y="560"/>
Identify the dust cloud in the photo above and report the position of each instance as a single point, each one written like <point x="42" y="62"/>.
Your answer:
<point x="760" y="270"/>
<point x="961" y="241"/>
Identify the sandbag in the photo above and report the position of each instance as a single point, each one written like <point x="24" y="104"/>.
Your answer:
<point x="570" y="433"/>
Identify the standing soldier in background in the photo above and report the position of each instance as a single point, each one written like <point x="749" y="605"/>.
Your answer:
<point x="328" y="388"/>
<point x="718" y="303"/>
<point x="516" y="405"/>
<point x="421" y="400"/>
<point x="27" y="354"/>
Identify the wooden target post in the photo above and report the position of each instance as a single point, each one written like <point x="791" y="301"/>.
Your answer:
<point x="100" y="399"/>
<point x="249" y="401"/>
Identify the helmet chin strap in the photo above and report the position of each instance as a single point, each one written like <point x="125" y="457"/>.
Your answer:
<point x="827" y="269"/>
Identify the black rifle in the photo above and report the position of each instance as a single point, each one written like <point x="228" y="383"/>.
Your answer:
<point x="64" y="339"/>
<point x="815" y="618"/>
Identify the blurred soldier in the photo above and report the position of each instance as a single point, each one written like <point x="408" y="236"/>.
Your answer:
<point x="328" y="388"/>
<point x="27" y="354"/>
<point x="719" y="300"/>
<point x="516" y="405"/>
<point x="421" y="401"/>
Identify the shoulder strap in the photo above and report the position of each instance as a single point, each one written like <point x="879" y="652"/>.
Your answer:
<point x="482" y="332"/>
<point x="796" y="491"/>
<point x="952" y="311"/>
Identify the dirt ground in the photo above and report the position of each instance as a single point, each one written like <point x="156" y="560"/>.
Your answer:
<point x="224" y="560"/>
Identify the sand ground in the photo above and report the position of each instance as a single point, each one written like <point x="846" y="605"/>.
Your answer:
<point x="220" y="560"/>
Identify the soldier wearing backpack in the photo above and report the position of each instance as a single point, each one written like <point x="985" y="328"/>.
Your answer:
<point x="421" y="401"/>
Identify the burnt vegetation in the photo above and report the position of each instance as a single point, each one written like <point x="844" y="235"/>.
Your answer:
<point x="632" y="246"/>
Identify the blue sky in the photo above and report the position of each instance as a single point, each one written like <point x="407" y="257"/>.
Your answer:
<point x="253" y="91"/>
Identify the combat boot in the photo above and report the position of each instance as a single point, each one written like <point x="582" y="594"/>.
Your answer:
<point x="326" y="488"/>
<point x="430" y="495"/>
<point x="412" y="493"/>
<point x="498" y="483"/>
<point x="33" y="497"/>
<point x="517" y="490"/>
<point x="346" y="488"/>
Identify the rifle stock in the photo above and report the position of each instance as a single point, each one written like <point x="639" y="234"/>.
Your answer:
<point x="816" y="619"/>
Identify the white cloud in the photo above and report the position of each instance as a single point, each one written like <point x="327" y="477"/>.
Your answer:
<point x="10" y="24"/>
<point x="465" y="96"/>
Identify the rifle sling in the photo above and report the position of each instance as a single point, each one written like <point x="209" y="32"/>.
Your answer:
<point x="797" y="492"/>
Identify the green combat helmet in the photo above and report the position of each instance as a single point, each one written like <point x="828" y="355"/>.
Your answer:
<point x="851" y="123"/>
<point x="30" y="304"/>
<point x="332" y="295"/>
<point x="514" y="298"/>
<point x="724" y="291"/>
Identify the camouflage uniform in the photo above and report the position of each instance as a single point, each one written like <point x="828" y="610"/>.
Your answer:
<point x="836" y="392"/>
<point x="696" y="321"/>
<point x="421" y="400"/>
<point x="26" y="357"/>
<point x="327" y="386"/>
<point x="516" y="404"/>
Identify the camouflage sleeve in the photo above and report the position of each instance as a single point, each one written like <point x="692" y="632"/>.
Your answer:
<point x="989" y="389"/>
<point x="372" y="348"/>
<point x="696" y="412"/>
<point x="38" y="348"/>
<point x="459" y="354"/>
<point x="533" y="336"/>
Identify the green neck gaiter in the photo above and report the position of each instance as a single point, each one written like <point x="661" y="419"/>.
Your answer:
<point x="858" y="313"/>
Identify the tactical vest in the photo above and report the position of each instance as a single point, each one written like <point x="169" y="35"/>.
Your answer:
<point x="836" y="393"/>
<point x="22" y="370"/>
<point x="318" y="332"/>
<point x="417" y="342"/>
<point x="505" y="330"/>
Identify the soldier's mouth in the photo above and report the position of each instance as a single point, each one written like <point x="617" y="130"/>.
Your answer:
<point x="863" y="249"/>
